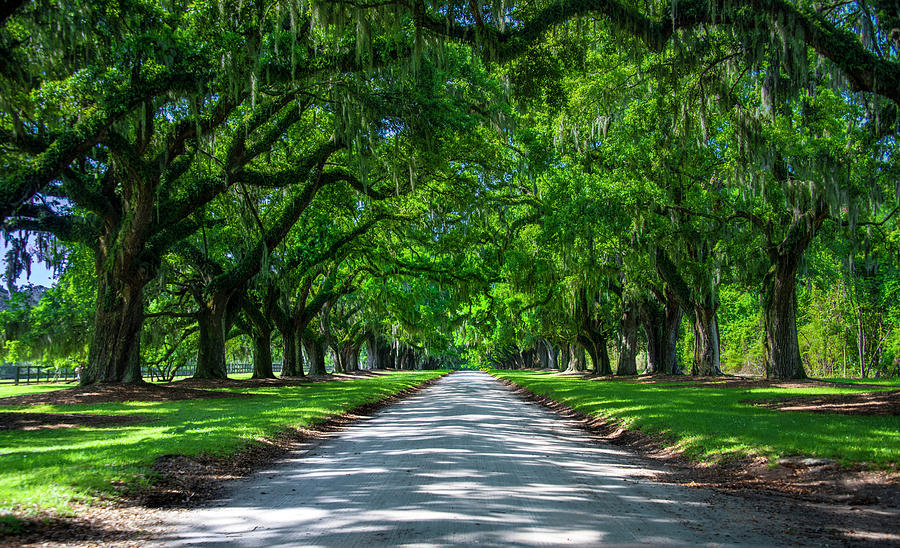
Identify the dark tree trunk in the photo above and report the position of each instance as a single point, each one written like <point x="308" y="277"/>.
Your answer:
<point x="596" y="349"/>
<point x="674" y="314"/>
<point x="525" y="360"/>
<point x="315" y="353"/>
<point x="115" y="353"/>
<point x="385" y="355"/>
<point x="262" y="356"/>
<point x="338" y="359"/>
<point x="408" y="361"/>
<point x="392" y="357"/>
<point x="564" y="351"/>
<point x="373" y="353"/>
<point x="350" y="357"/>
<point x="542" y="355"/>
<point x="577" y="361"/>
<point x="654" y="324"/>
<point x="627" y="364"/>
<point x="707" y="357"/>
<point x="662" y="324"/>
<point x="211" y="350"/>
<point x="605" y="367"/>
<point x="702" y="303"/>
<point x="551" y="355"/>
<point x="783" y="359"/>
<point x="292" y="362"/>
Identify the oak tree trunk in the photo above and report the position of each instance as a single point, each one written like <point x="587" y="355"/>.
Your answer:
<point x="783" y="359"/>
<point x="350" y="357"/>
<point x="627" y="363"/>
<point x="661" y="323"/>
<point x="315" y="353"/>
<point x="374" y="353"/>
<point x="292" y="362"/>
<point x="211" y="350"/>
<point x="338" y="359"/>
<point x="563" y="361"/>
<point x="653" y="323"/>
<point x="115" y="353"/>
<point x="674" y="314"/>
<point x="551" y="355"/>
<point x="707" y="356"/>
<point x="262" y="356"/>
<point x="596" y="349"/>
<point x="542" y="357"/>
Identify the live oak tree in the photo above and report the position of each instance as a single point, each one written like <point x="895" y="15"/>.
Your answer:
<point x="109" y="155"/>
<point x="520" y="180"/>
<point x="109" y="149"/>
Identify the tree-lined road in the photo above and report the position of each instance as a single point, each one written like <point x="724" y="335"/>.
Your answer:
<point x="466" y="462"/>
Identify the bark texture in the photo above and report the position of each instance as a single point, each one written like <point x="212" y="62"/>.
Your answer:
<point x="115" y="353"/>
<point x="661" y="322"/>
<point x="627" y="363"/>
<point x="707" y="349"/>
<point x="783" y="359"/>
<point x="315" y="353"/>
<point x="211" y="349"/>
<point x="262" y="356"/>
<point x="291" y="362"/>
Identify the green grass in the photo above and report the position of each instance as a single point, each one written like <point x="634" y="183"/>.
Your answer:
<point x="711" y="424"/>
<point x="47" y="469"/>
<point x="10" y="389"/>
<point x="881" y="382"/>
<point x="7" y="390"/>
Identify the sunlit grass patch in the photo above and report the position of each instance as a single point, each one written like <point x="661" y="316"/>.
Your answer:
<point x="712" y="423"/>
<point x="8" y="389"/>
<point x="49" y="468"/>
<point x="882" y="382"/>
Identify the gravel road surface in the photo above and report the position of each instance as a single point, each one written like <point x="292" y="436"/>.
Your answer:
<point x="466" y="462"/>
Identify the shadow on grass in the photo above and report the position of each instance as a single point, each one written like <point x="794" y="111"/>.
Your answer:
<point x="712" y="423"/>
<point x="46" y="468"/>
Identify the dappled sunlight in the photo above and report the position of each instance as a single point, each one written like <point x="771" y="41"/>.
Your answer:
<point x="474" y="466"/>
<point x="713" y="422"/>
<point x="85" y="461"/>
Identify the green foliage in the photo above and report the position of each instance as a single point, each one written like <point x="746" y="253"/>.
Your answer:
<point x="480" y="179"/>
<point x="741" y="321"/>
<point x="56" y="329"/>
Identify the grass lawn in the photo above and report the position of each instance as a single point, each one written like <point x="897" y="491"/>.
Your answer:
<point x="882" y="382"/>
<point x="10" y="389"/>
<point x="46" y="469"/>
<point x="710" y="424"/>
<point x="7" y="390"/>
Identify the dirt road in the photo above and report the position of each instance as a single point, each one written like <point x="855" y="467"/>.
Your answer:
<point x="467" y="462"/>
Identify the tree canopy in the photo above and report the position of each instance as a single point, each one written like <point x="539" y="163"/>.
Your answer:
<point x="653" y="186"/>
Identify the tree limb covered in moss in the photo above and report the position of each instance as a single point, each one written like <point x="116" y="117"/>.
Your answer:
<point x="249" y="265"/>
<point x="866" y="70"/>
<point x="67" y="229"/>
<point x="77" y="142"/>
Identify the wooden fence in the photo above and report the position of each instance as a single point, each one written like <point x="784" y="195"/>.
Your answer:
<point x="29" y="374"/>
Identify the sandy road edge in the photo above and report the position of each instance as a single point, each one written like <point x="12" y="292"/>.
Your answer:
<point x="184" y="482"/>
